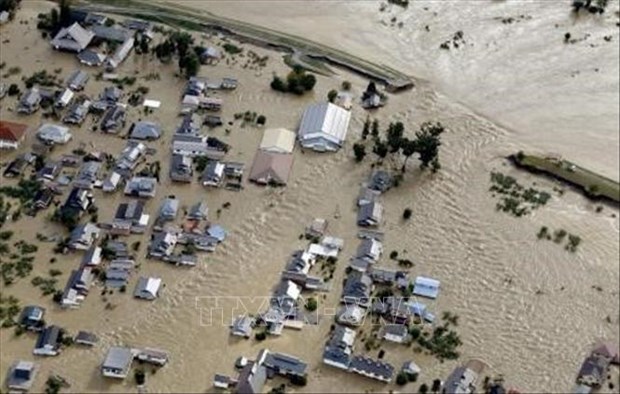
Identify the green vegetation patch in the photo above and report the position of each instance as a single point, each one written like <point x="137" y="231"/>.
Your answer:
<point x="514" y="198"/>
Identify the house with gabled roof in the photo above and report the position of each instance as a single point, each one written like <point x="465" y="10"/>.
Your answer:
<point x="324" y="127"/>
<point x="30" y="101"/>
<point x="130" y="218"/>
<point x="73" y="38"/>
<point x="181" y="168"/>
<point x="11" y="134"/>
<point x="141" y="187"/>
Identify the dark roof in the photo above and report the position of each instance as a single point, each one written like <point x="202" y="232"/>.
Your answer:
<point x="285" y="364"/>
<point x="251" y="379"/>
<point x="131" y="210"/>
<point x="110" y="33"/>
<point x="368" y="365"/>
<point x="49" y="336"/>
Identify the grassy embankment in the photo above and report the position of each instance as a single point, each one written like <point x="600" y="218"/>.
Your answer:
<point x="594" y="186"/>
<point x="302" y="51"/>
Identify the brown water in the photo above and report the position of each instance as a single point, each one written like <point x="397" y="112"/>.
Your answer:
<point x="455" y="235"/>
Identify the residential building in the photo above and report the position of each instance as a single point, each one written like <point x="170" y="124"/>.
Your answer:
<point x="271" y="168"/>
<point x="91" y="58"/>
<point x="11" y="134"/>
<point x="181" y="168"/>
<point x="153" y="356"/>
<point x="117" y="363"/>
<point x="92" y="257"/>
<point x="78" y="201"/>
<point x="54" y="134"/>
<point x="195" y="86"/>
<point x="190" y="125"/>
<point x="370" y="249"/>
<point x="73" y="38"/>
<point x="141" y="187"/>
<point x="380" y="181"/>
<point x="398" y="333"/>
<point x="77" y="80"/>
<point x="324" y="127"/>
<point x="120" y="54"/>
<point x="110" y="184"/>
<point x="147" y="288"/>
<point x="86" y="338"/>
<point x="213" y="174"/>
<point x="16" y="167"/>
<point x="278" y="141"/>
<point x="317" y="228"/>
<point x="83" y="236"/>
<point x="461" y="381"/>
<point x="242" y="326"/>
<point x="130" y="218"/>
<point x="195" y="146"/>
<point x="162" y="244"/>
<point x="357" y="289"/>
<point x="145" y="131"/>
<point x="284" y="364"/>
<point x="367" y="196"/>
<point x="373" y="369"/>
<point x="169" y="209"/>
<point x="31" y="318"/>
<point x="50" y="171"/>
<point x="210" y="103"/>
<point x="130" y="156"/>
<point x="339" y="348"/>
<point x="111" y="95"/>
<point x="593" y="371"/>
<point x="77" y="112"/>
<point x="114" y="119"/>
<point x="88" y="175"/>
<point x="110" y="34"/>
<point x="210" y="55"/>
<point x="252" y="378"/>
<point x="141" y="26"/>
<point x="426" y="287"/>
<point x="370" y="215"/>
<point x="21" y="376"/>
<point x="48" y="342"/>
<point x="351" y="315"/>
<point x="198" y="211"/>
<point x="30" y="101"/>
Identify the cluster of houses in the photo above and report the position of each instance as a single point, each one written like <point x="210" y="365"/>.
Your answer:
<point x="595" y="367"/>
<point x="253" y="374"/>
<point x="357" y="296"/>
<point x="90" y="30"/>
<point x="51" y="339"/>
<point x="195" y="234"/>
<point x="283" y="310"/>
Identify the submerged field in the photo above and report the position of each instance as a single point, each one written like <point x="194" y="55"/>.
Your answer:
<point x="528" y="308"/>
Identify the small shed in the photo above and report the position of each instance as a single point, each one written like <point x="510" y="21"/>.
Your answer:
<point x="426" y="287"/>
<point x="147" y="288"/>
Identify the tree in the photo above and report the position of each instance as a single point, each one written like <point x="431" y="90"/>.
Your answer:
<point x="409" y="147"/>
<point x="331" y="95"/>
<point x="395" y="136"/>
<point x="407" y="213"/>
<point x="144" y="45"/>
<point x="140" y="377"/>
<point x="192" y="65"/>
<point x="423" y="389"/>
<point x="13" y="90"/>
<point x="346" y="85"/>
<point x="360" y="152"/>
<point x="375" y="128"/>
<point x="312" y="304"/>
<point x="278" y="84"/>
<point x="308" y="81"/>
<point x="380" y="148"/>
<point x="261" y="120"/>
<point x="299" y="380"/>
<point x="366" y="128"/>
<point x="65" y="13"/>
<point x="428" y="142"/>
<point x="436" y="386"/>
<point x="401" y="379"/>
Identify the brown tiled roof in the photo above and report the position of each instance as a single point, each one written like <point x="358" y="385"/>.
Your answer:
<point x="10" y="131"/>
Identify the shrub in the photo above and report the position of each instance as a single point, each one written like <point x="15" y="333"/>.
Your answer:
<point x="299" y="380"/>
<point x="261" y="120"/>
<point x="407" y="214"/>
<point x="423" y="389"/>
<point x="260" y="336"/>
<point x="359" y="150"/>
<point x="13" y="90"/>
<point x="331" y="95"/>
<point x="393" y="255"/>
<point x="140" y="377"/>
<point x="311" y="304"/>
<point x="401" y="379"/>
<point x="346" y="85"/>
